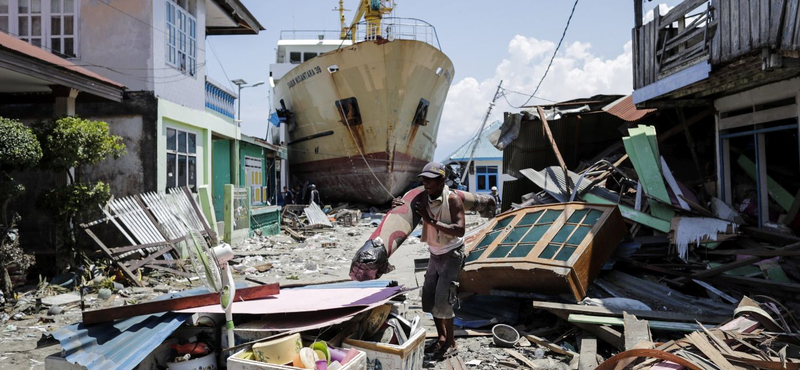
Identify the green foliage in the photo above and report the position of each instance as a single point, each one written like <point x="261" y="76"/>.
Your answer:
<point x="75" y="200"/>
<point x="72" y="142"/>
<point x="18" y="145"/>
<point x="18" y="149"/>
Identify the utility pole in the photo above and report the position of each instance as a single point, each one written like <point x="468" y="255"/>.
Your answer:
<point x="480" y="132"/>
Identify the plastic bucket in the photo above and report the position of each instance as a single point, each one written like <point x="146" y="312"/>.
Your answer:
<point x="208" y="362"/>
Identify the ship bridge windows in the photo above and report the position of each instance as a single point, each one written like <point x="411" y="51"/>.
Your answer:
<point x="348" y="111"/>
<point x="421" y="115"/>
<point x="308" y="56"/>
<point x="295" y="57"/>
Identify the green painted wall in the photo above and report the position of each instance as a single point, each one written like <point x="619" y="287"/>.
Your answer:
<point x="221" y="172"/>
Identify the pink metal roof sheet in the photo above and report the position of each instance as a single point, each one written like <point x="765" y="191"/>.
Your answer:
<point x="624" y="109"/>
<point x="10" y="42"/>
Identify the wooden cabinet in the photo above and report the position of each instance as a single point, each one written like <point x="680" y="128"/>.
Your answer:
<point x="549" y="249"/>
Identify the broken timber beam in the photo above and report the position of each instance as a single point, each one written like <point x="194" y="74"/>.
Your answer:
<point x="123" y="312"/>
<point x="649" y="315"/>
<point x="606" y="333"/>
<point x="557" y="152"/>
<point x="730" y="266"/>
<point x="547" y="344"/>
<point x="588" y="356"/>
<point x="636" y="331"/>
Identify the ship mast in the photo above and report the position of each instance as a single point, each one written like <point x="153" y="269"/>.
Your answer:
<point x="372" y="11"/>
<point x="341" y="10"/>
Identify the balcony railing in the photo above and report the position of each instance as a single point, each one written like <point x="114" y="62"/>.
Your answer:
<point x="718" y="32"/>
<point x="220" y="100"/>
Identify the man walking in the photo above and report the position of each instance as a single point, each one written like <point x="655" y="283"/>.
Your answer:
<point x="288" y="196"/>
<point x="496" y="198"/>
<point x="442" y="213"/>
<point x="315" y="195"/>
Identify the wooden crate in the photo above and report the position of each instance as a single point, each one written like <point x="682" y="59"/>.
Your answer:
<point x="548" y="249"/>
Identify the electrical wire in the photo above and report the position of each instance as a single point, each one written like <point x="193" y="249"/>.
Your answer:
<point x="551" y="59"/>
<point x="221" y="66"/>
<point x="523" y="94"/>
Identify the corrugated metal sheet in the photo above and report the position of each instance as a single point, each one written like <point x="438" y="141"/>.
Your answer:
<point x="578" y="136"/>
<point x="624" y="108"/>
<point x="123" y="344"/>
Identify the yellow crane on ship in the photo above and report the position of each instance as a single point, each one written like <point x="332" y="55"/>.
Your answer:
<point x="372" y="11"/>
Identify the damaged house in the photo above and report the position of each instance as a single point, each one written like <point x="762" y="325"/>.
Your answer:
<point x="742" y="64"/>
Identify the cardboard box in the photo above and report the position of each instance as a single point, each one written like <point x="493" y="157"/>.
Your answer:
<point x="391" y="356"/>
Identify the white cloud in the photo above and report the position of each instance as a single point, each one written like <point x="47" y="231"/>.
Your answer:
<point x="576" y="73"/>
<point x="662" y="9"/>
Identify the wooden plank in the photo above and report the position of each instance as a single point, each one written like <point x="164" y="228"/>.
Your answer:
<point x="701" y="342"/>
<point x="171" y="271"/>
<point x="776" y="21"/>
<point x="521" y="358"/>
<point x="744" y="25"/>
<point x="637" y="13"/>
<point x="649" y="57"/>
<point x="606" y="333"/>
<point x="673" y="184"/>
<point x="796" y="35"/>
<point x="556" y="151"/>
<point x="122" y="312"/>
<point x="656" y="28"/>
<point x="734" y="24"/>
<point x="588" y="355"/>
<point x="455" y="363"/>
<point x="644" y="41"/>
<point x="724" y="30"/>
<point x="755" y="22"/>
<point x="763" y="20"/>
<point x="604" y="311"/>
<point x="614" y="321"/>
<point x="680" y="11"/>
<point x="787" y="33"/>
<point x="125" y="271"/>
<point x="547" y="344"/>
<point x="636" y="331"/>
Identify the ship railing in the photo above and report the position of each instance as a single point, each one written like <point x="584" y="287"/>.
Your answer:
<point x="310" y="35"/>
<point x="395" y="28"/>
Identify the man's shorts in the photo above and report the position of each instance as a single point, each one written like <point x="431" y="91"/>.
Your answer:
<point x="440" y="289"/>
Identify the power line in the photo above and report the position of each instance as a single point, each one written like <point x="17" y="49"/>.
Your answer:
<point x="141" y="21"/>
<point x="214" y="53"/>
<point x="523" y="94"/>
<point x="551" y="58"/>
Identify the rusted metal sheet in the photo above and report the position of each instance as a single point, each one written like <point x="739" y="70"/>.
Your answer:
<point x="124" y="312"/>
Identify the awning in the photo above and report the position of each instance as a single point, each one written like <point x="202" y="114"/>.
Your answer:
<point x="28" y="68"/>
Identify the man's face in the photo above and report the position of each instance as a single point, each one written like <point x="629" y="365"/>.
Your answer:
<point x="433" y="186"/>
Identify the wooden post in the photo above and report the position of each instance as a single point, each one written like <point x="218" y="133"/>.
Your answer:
<point x="637" y="13"/>
<point x="228" y="213"/>
<point x="557" y="152"/>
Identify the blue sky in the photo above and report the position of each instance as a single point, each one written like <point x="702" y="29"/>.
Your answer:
<point x="487" y="41"/>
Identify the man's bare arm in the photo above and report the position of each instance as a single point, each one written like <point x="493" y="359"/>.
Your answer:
<point x="457" y="227"/>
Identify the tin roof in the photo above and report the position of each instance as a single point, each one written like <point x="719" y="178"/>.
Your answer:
<point x="125" y="343"/>
<point x="12" y="43"/>
<point x="624" y="109"/>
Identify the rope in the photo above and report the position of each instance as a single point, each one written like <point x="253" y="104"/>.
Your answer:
<point x="355" y="142"/>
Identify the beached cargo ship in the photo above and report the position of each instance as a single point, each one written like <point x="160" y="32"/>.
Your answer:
<point x="362" y="105"/>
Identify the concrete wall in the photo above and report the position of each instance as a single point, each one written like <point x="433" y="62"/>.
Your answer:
<point x="132" y="52"/>
<point x="501" y="177"/>
<point x="115" y="45"/>
<point x="198" y="122"/>
<point x="172" y="85"/>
